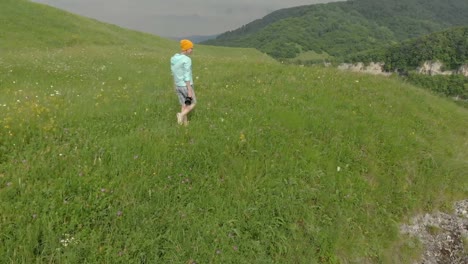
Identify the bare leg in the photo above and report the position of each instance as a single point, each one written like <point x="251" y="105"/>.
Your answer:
<point x="185" y="111"/>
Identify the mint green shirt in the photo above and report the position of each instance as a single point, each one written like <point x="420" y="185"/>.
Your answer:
<point x="181" y="68"/>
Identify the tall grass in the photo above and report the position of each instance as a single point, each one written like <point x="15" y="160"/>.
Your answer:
<point x="280" y="164"/>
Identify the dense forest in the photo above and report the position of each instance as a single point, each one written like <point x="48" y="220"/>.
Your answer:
<point x="341" y="29"/>
<point x="449" y="47"/>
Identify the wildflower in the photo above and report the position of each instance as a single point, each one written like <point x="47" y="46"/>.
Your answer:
<point x="236" y="248"/>
<point x="242" y="137"/>
<point x="67" y="240"/>
<point x="338" y="168"/>
<point x="120" y="78"/>
<point x="119" y="213"/>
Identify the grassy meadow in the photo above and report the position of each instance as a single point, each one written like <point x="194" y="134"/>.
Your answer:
<point x="279" y="164"/>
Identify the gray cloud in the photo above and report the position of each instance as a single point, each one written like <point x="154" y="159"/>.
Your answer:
<point x="177" y="18"/>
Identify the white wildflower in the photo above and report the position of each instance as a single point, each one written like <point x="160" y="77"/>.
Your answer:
<point x="67" y="240"/>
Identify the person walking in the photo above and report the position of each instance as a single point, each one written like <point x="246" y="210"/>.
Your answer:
<point x="181" y="68"/>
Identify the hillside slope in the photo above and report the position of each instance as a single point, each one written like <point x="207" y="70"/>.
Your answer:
<point x="279" y="164"/>
<point x="343" y="28"/>
<point x="51" y="28"/>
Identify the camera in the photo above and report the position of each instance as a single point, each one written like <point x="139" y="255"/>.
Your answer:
<point x="188" y="100"/>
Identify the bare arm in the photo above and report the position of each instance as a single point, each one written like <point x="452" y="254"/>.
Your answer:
<point x="189" y="88"/>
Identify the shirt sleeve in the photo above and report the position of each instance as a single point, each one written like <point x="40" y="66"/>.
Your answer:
<point x="188" y="70"/>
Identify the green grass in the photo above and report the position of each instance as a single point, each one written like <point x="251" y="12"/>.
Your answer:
<point x="280" y="164"/>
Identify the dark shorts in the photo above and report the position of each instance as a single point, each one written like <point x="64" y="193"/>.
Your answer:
<point x="182" y="93"/>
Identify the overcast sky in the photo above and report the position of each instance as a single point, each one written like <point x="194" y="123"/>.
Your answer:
<point x="177" y="18"/>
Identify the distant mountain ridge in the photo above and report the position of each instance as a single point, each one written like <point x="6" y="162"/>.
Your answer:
<point x="196" y="38"/>
<point x="341" y="29"/>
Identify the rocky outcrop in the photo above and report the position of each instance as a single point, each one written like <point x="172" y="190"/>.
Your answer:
<point x="444" y="236"/>
<point x="433" y="68"/>
<point x="463" y="70"/>
<point x="372" y="68"/>
<point x="436" y="68"/>
<point x="428" y="67"/>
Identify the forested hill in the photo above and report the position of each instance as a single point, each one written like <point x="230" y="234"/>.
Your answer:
<point x="344" y="28"/>
<point x="449" y="47"/>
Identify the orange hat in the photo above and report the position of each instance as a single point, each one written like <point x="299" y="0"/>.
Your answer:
<point x="186" y="44"/>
